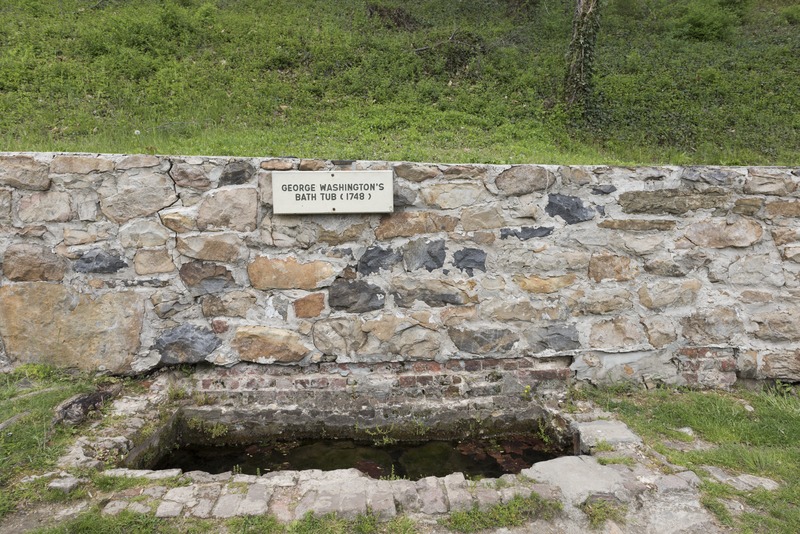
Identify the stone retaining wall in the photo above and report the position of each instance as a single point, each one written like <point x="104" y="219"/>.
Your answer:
<point x="653" y="274"/>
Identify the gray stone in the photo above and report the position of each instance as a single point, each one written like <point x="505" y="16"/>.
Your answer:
<point x="256" y="501"/>
<point x="376" y="258"/>
<point x="186" y="344"/>
<point x="138" y="508"/>
<point x="98" y="261"/>
<point x="526" y="232"/>
<point x="569" y="208"/>
<point x="577" y="476"/>
<point x="182" y="494"/>
<point x="49" y="206"/>
<point x="432" y="496"/>
<point x="712" y="326"/>
<point x="614" y="433"/>
<point x="355" y="296"/>
<point x="424" y="254"/>
<point x="562" y="338"/>
<point x="66" y="484"/>
<point x="380" y="500"/>
<point x="482" y="340"/>
<point x="435" y="293"/>
<point x="742" y="482"/>
<point x="606" y="189"/>
<point x="229" y="209"/>
<point x="415" y="172"/>
<point x="114" y="507"/>
<point x="405" y="496"/>
<point x="713" y="176"/>
<point x="469" y="259"/>
<point x="236" y="173"/>
<point x="227" y="506"/>
<point x="169" y="509"/>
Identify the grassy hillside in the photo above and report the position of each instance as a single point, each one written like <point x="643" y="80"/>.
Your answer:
<point x="679" y="81"/>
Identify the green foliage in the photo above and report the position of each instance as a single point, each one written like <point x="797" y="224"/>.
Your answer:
<point x="513" y="513"/>
<point x="706" y="22"/>
<point x="437" y="80"/>
<point x="791" y="14"/>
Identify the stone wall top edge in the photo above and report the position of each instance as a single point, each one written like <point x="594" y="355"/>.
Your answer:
<point x="117" y="156"/>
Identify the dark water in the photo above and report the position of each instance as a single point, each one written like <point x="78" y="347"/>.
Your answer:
<point x="474" y="458"/>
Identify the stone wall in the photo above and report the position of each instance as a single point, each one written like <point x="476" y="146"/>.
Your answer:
<point x="675" y="275"/>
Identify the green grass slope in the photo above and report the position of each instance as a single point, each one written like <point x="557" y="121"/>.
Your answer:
<point x="677" y="81"/>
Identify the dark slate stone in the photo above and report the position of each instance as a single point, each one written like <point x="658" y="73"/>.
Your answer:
<point x="469" y="259"/>
<point x="236" y="172"/>
<point x="355" y="296"/>
<point x="186" y="344"/>
<point x="99" y="261"/>
<point x="376" y="258"/>
<point x="405" y="297"/>
<point x="603" y="189"/>
<point x="482" y="340"/>
<point x="424" y="254"/>
<point x="600" y="209"/>
<point x="526" y="232"/>
<point x="569" y="208"/>
<point x="562" y="337"/>
<point x="203" y="277"/>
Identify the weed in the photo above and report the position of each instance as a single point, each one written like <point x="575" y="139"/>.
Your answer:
<point x="601" y="510"/>
<point x="526" y="393"/>
<point x="213" y="430"/>
<point x="175" y="393"/>
<point x="381" y="437"/>
<point x="513" y="513"/>
<point x="603" y="446"/>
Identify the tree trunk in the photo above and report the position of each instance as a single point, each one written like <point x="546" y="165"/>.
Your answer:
<point x="580" y="58"/>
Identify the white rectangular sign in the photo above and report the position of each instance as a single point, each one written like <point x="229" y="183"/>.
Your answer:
<point x="332" y="192"/>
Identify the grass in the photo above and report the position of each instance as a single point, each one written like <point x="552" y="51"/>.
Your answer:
<point x="30" y="445"/>
<point x="600" y="511"/>
<point x="752" y="432"/>
<point x="514" y="513"/>
<point x="678" y="81"/>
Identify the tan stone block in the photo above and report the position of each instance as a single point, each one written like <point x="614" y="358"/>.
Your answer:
<point x="48" y="323"/>
<point x="416" y="173"/>
<point x="615" y="334"/>
<point x="416" y="343"/>
<point x="80" y="165"/>
<point x="138" y="161"/>
<point x="575" y="175"/>
<point x="791" y="253"/>
<point x="52" y="206"/>
<point x="212" y="247"/>
<point x="232" y="304"/>
<point x="135" y="194"/>
<point x="602" y="302"/>
<point x="155" y="261"/>
<point x="672" y="201"/>
<point x="309" y="306"/>
<point x="611" y="267"/>
<point x="667" y="293"/>
<point x="783" y="208"/>
<point x="88" y="234"/>
<point x="778" y="325"/>
<point x="661" y="331"/>
<point x="480" y="217"/>
<point x="263" y="344"/>
<point x="347" y="234"/>
<point x="721" y="234"/>
<point x="179" y="221"/>
<point x="412" y="223"/>
<point x="26" y="262"/>
<point x="24" y="172"/>
<point x="782" y="236"/>
<point x="229" y="209"/>
<point x="191" y="176"/>
<point x="143" y="233"/>
<point x="277" y="165"/>
<point x="718" y="325"/>
<point x="524" y="179"/>
<point x="312" y="165"/>
<point x="340" y="337"/>
<point x="469" y="172"/>
<point x="536" y="284"/>
<point x="266" y="273"/>
<point x="450" y="196"/>
<point x="748" y="206"/>
<point x="769" y="182"/>
<point x="5" y="205"/>
<point x="781" y="365"/>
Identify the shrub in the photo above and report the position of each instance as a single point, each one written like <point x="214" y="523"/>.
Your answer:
<point x="706" y="22"/>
